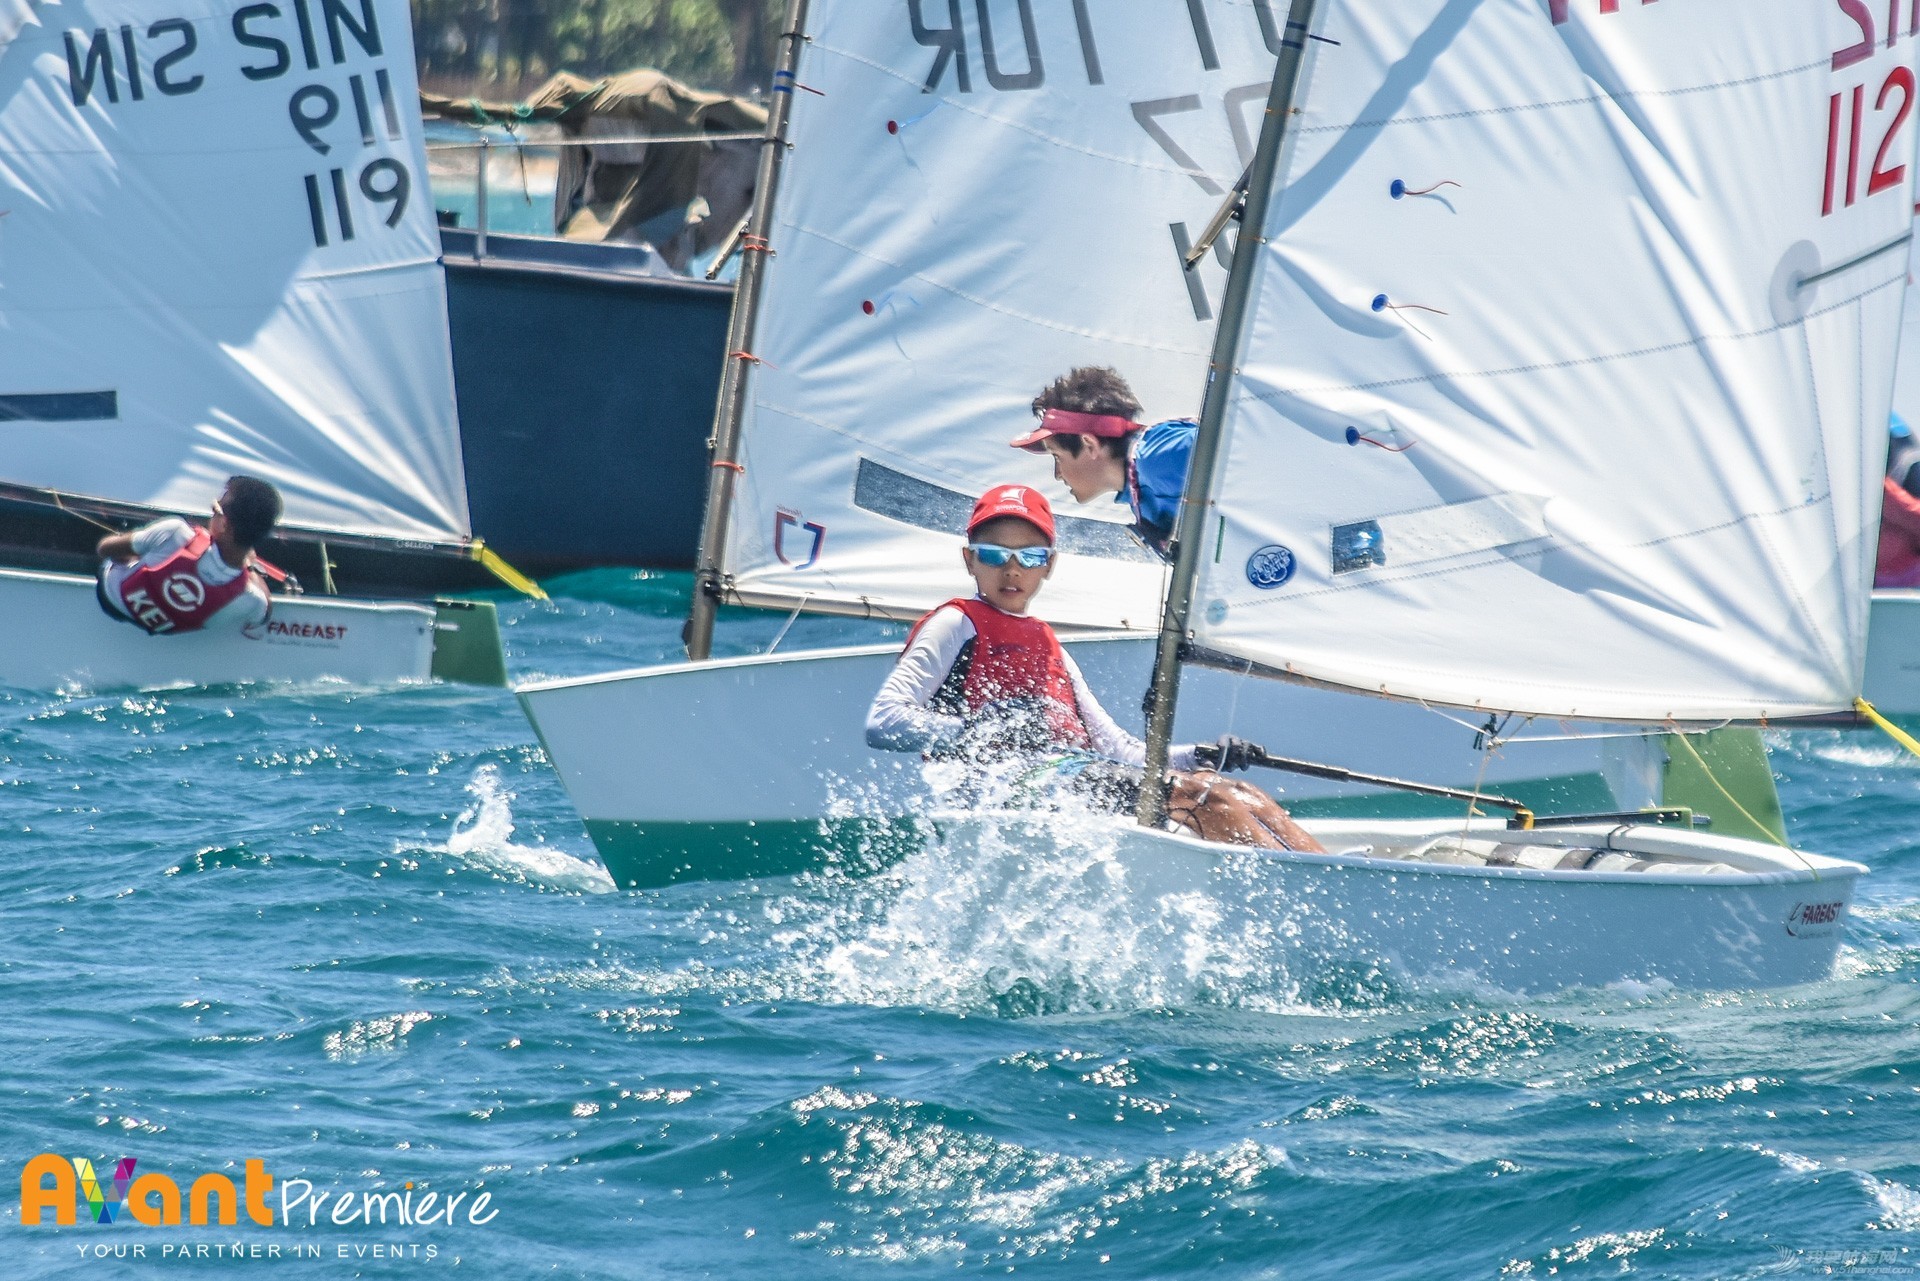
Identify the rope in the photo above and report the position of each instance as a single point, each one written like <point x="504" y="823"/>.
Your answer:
<point x="1700" y="760"/>
<point x="99" y="524"/>
<point x="1891" y="730"/>
<point x="504" y="572"/>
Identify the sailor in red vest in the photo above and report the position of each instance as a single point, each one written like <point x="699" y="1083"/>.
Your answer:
<point x="171" y="577"/>
<point x="982" y="681"/>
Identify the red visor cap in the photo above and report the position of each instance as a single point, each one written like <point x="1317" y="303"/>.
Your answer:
<point x="1065" y="422"/>
<point x="1022" y="502"/>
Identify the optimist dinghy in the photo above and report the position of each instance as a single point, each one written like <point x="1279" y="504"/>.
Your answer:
<point x="1643" y="395"/>
<point x="1043" y="184"/>
<point x="217" y="256"/>
<point x="1518" y="911"/>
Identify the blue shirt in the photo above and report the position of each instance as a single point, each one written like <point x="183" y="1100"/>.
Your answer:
<point x="1157" y="474"/>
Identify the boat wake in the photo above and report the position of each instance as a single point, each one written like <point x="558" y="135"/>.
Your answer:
<point x="482" y="838"/>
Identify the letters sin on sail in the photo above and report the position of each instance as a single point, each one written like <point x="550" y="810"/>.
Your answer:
<point x="986" y="196"/>
<point x="1566" y="381"/>
<point x="219" y="255"/>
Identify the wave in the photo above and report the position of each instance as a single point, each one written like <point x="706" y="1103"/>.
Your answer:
<point x="482" y="838"/>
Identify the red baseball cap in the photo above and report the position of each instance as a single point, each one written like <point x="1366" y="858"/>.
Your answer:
<point x="1022" y="502"/>
<point x="1066" y="422"/>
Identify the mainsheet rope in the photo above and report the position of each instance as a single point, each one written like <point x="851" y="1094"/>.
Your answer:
<point x="1891" y="730"/>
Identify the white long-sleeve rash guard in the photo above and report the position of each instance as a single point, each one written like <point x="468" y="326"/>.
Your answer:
<point x="901" y="719"/>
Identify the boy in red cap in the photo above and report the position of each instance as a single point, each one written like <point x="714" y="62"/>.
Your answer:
<point x="980" y="679"/>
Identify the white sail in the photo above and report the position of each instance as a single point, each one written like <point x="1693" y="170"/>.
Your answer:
<point x="982" y="196"/>
<point x="1595" y="426"/>
<point x="218" y="255"/>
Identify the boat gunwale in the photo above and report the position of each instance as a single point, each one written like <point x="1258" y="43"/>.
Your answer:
<point x="735" y="661"/>
<point x="1820" y="868"/>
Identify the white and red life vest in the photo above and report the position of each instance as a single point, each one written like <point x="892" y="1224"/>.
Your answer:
<point x="1017" y="657"/>
<point x="172" y="597"/>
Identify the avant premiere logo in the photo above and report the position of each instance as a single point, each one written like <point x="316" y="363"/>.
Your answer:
<point x="66" y="1188"/>
<point x="65" y="1185"/>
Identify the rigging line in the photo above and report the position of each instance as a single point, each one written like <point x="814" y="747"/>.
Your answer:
<point x="788" y="625"/>
<point x="1706" y="769"/>
<point x="101" y="524"/>
<point x="1891" y="730"/>
<point x="1479" y="785"/>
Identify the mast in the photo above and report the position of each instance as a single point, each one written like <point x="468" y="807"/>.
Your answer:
<point x="1164" y="694"/>
<point x="724" y="444"/>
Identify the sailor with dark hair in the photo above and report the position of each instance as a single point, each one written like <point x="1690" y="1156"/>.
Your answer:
<point x="171" y="577"/>
<point x="1088" y="423"/>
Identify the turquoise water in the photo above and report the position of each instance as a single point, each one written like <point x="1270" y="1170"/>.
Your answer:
<point x="361" y="938"/>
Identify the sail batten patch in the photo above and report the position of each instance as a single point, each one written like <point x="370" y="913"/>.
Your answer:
<point x="59" y="407"/>
<point x="1439" y="533"/>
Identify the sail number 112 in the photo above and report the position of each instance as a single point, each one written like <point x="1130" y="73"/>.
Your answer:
<point x="1856" y="167"/>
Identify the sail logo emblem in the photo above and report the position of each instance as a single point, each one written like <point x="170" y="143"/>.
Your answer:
<point x="1814" y="920"/>
<point x="184" y="592"/>
<point x="811" y="535"/>
<point x="1270" y="567"/>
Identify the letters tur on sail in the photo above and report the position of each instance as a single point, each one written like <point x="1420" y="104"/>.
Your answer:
<point x="986" y="196"/>
<point x="1565" y="384"/>
<point x="219" y="255"/>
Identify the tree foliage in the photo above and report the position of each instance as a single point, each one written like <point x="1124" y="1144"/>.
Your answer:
<point x="503" y="48"/>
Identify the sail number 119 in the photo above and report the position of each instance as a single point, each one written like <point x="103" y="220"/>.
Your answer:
<point x="382" y="182"/>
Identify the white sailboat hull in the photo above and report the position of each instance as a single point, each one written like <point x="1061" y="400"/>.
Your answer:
<point x="53" y="635"/>
<point x="1774" y="919"/>
<point x="760" y="766"/>
<point x="1893" y="653"/>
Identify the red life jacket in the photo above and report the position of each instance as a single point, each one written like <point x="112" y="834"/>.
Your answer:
<point x="172" y="597"/>
<point x="1018" y="657"/>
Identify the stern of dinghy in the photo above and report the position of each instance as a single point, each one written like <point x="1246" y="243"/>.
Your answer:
<point x="467" y="649"/>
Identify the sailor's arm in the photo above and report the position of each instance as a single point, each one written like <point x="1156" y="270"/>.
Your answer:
<point x="900" y="719"/>
<point x="165" y="535"/>
<point x="115" y="547"/>
<point x="1109" y="739"/>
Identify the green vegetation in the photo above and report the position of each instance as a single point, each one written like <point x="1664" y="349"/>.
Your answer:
<point x="505" y="48"/>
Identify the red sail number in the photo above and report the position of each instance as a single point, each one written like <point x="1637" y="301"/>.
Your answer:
<point x="1846" y="126"/>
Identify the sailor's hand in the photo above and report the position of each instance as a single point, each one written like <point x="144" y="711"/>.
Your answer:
<point x="1230" y="755"/>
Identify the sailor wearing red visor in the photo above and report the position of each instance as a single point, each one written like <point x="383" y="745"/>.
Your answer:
<point x="1087" y="426"/>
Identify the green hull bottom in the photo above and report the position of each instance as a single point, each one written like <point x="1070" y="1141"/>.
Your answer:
<point x="643" y="856"/>
<point x="1725" y="776"/>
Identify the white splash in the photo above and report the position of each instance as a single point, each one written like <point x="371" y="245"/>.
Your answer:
<point x="1899" y="1204"/>
<point x="1032" y="918"/>
<point x="482" y="838"/>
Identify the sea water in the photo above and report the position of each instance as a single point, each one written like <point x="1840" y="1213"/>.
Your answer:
<point x="361" y="939"/>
